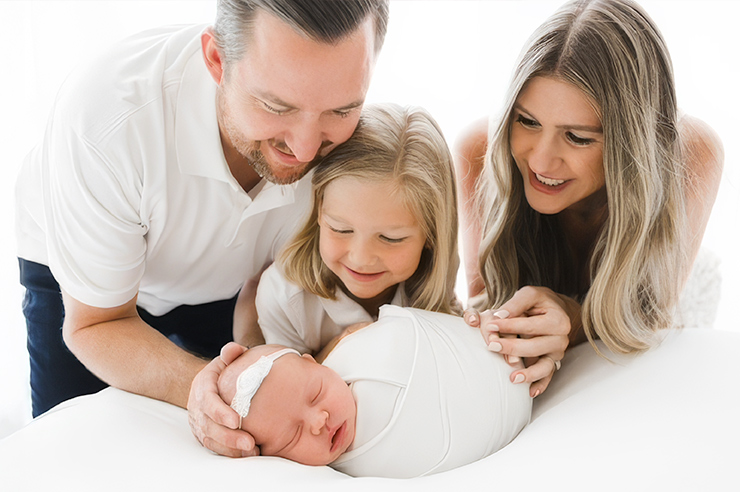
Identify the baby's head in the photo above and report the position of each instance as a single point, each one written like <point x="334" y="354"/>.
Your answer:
<point x="299" y="409"/>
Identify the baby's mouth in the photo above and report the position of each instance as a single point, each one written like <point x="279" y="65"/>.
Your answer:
<point x="548" y="181"/>
<point x="336" y="439"/>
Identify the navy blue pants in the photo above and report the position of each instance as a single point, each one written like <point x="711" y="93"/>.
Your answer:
<point x="57" y="375"/>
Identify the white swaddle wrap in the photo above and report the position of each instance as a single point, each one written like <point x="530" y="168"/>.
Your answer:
<point x="430" y="396"/>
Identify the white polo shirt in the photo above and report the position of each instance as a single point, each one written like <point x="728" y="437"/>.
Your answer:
<point x="130" y="193"/>
<point x="291" y="316"/>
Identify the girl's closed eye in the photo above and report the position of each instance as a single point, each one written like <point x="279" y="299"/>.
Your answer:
<point x="338" y="230"/>
<point x="392" y="240"/>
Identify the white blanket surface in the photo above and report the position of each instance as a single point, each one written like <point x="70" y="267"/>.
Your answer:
<point x="666" y="420"/>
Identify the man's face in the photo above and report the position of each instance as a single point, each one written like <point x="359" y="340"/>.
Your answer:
<point x="290" y="99"/>
<point x="303" y="412"/>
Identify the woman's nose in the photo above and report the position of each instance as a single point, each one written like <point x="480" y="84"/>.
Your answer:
<point x="544" y="156"/>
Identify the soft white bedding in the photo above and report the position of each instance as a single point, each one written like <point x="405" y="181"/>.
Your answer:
<point x="666" y="420"/>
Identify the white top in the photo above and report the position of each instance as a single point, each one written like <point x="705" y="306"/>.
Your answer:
<point x="430" y="395"/>
<point x="290" y="316"/>
<point x="130" y="191"/>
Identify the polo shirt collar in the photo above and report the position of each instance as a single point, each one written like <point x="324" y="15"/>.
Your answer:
<point x="197" y="139"/>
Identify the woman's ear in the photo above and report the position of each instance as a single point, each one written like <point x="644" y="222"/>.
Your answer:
<point x="212" y="56"/>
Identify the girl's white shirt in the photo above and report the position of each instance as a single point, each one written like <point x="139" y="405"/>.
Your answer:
<point x="291" y="316"/>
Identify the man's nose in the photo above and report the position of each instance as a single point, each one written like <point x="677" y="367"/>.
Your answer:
<point x="306" y="140"/>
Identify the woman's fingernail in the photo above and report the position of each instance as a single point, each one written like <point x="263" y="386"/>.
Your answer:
<point x="494" y="347"/>
<point x="519" y="378"/>
<point x="471" y="317"/>
<point x="513" y="359"/>
<point x="501" y="314"/>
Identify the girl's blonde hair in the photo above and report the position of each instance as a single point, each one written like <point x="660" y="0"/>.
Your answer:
<point x="404" y="146"/>
<point x="613" y="52"/>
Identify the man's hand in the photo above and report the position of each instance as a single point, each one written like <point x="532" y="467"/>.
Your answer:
<point x="213" y="422"/>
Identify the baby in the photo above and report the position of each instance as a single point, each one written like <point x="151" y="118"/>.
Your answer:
<point x="303" y="410"/>
<point x="412" y="394"/>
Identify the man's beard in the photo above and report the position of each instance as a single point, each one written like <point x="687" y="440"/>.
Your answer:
<point x="250" y="150"/>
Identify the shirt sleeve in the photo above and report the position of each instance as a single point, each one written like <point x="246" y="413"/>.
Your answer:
<point x="95" y="236"/>
<point x="279" y="318"/>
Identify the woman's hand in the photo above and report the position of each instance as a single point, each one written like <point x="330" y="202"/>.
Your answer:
<point x="536" y="324"/>
<point x="213" y="422"/>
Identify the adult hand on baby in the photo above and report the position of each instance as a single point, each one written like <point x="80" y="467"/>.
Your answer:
<point x="535" y="324"/>
<point x="213" y="422"/>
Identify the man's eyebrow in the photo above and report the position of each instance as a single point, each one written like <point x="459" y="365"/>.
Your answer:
<point x="279" y="101"/>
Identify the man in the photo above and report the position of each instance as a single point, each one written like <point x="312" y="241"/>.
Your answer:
<point x="169" y="174"/>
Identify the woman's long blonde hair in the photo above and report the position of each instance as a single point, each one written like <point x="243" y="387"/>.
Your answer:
<point x="404" y="146"/>
<point x="613" y="52"/>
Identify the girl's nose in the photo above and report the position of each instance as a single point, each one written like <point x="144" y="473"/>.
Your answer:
<point x="362" y="254"/>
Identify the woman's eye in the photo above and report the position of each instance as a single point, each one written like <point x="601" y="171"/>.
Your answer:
<point x="578" y="140"/>
<point x="524" y="121"/>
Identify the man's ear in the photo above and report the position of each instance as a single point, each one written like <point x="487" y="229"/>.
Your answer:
<point x="211" y="55"/>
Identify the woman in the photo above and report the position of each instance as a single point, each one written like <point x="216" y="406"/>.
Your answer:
<point x="584" y="216"/>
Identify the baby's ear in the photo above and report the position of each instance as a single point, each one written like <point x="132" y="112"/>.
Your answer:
<point x="309" y="356"/>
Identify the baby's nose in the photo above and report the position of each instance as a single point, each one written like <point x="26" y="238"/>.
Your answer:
<point x="319" y="422"/>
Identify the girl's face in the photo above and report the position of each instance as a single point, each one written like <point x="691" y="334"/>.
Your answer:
<point x="368" y="237"/>
<point x="557" y="143"/>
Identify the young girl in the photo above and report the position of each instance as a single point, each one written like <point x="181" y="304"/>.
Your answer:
<point x="382" y="230"/>
<point x="597" y="191"/>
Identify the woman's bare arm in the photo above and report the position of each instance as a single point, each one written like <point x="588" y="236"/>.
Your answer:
<point x="703" y="157"/>
<point x="469" y="156"/>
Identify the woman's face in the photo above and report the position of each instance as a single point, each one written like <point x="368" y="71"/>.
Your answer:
<point x="557" y="143"/>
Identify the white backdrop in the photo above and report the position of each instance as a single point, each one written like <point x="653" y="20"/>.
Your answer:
<point x="452" y="57"/>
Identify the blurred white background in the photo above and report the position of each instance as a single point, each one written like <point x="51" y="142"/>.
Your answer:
<point x="452" y="57"/>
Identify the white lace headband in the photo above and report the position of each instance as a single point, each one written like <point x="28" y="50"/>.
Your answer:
<point x="250" y="380"/>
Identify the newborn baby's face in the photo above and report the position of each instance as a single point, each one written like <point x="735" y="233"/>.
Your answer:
<point x="303" y="412"/>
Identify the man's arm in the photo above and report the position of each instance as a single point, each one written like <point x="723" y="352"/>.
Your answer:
<point x="116" y="345"/>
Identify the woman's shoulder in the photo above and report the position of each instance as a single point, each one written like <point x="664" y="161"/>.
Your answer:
<point x="470" y="146"/>
<point x="703" y="153"/>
